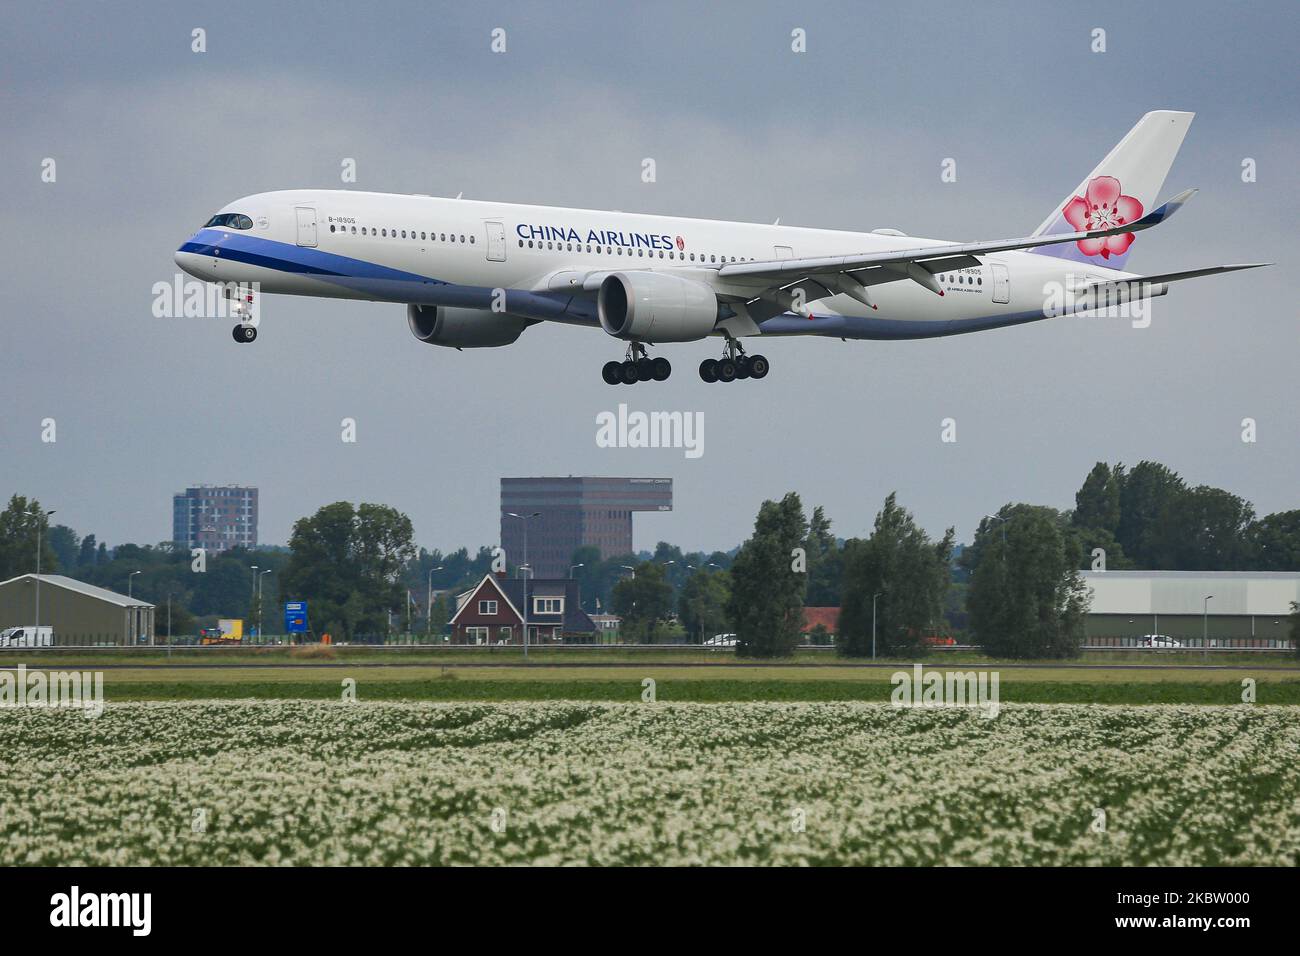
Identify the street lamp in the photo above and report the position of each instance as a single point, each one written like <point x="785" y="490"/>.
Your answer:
<point x="525" y="519"/>
<point x="1004" y="525"/>
<point x="130" y="584"/>
<point x="628" y="567"/>
<point x="525" y="622"/>
<point x="574" y="567"/>
<point x="1205" y="637"/>
<point x="259" y="600"/>
<point x="428" y="610"/>
<point x="873" y="623"/>
<point x="39" y="522"/>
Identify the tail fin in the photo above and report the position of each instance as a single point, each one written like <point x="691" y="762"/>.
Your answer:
<point x="1121" y="189"/>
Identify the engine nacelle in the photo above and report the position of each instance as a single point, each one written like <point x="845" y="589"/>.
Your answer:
<point x="653" y="307"/>
<point x="463" y="328"/>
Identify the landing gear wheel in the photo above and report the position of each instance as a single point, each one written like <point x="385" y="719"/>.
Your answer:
<point x="742" y="366"/>
<point x="627" y="373"/>
<point x="709" y="370"/>
<point x="610" y="373"/>
<point x="660" y="369"/>
<point x="244" y="333"/>
<point x="644" y="371"/>
<point x="726" y="370"/>
<point x="758" y="366"/>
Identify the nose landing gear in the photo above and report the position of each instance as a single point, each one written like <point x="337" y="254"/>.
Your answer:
<point x="242" y="309"/>
<point x="637" y="366"/>
<point x="734" y="364"/>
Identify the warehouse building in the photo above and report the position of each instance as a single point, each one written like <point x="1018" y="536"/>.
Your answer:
<point x="1247" y="609"/>
<point x="81" y="614"/>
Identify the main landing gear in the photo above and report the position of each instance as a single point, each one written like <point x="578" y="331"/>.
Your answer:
<point x="636" y="367"/>
<point x="734" y="364"/>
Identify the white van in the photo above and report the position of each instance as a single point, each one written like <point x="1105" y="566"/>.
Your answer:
<point x="28" y="636"/>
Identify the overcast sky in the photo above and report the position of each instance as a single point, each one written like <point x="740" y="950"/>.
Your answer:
<point x="150" y="139"/>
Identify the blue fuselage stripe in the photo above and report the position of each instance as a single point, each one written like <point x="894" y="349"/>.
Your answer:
<point x="284" y="257"/>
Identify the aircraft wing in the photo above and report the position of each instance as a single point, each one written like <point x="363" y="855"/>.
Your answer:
<point x="789" y="269"/>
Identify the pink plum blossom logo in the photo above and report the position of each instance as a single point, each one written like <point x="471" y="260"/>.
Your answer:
<point x="1103" y="206"/>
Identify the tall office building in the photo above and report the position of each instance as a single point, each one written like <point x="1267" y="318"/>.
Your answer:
<point x="573" y="512"/>
<point x="216" y="518"/>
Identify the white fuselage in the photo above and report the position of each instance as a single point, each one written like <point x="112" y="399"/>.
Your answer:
<point x="458" y="252"/>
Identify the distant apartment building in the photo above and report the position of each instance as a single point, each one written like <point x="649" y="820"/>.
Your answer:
<point x="215" y="518"/>
<point x="572" y="512"/>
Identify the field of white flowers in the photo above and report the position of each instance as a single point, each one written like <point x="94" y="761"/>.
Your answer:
<point x="838" y="783"/>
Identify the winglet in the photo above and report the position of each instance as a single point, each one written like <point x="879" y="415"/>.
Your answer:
<point x="1164" y="210"/>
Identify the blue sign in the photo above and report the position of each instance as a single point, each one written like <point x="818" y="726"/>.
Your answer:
<point x="295" y="617"/>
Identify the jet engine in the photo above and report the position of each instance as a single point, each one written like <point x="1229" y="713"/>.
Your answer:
<point x="463" y="328"/>
<point x="654" y="307"/>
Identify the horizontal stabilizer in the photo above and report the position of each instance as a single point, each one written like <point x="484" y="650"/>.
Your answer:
<point x="1177" y="276"/>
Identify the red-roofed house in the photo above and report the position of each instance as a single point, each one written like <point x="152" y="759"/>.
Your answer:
<point x="827" y="617"/>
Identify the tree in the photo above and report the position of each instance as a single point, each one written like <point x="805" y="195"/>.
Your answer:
<point x="1144" y="495"/>
<point x="905" y="573"/>
<point x="86" y="558"/>
<point x="64" y="543"/>
<point x="347" y="563"/>
<point x="642" y="600"/>
<point x="1026" y="597"/>
<point x="825" y="563"/>
<point x="1202" y="529"/>
<point x="19" y="525"/>
<point x="1096" y="504"/>
<point x="702" y="604"/>
<point x="1275" y="542"/>
<point x="766" y="603"/>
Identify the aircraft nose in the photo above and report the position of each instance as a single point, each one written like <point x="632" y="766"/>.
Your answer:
<point x="186" y="258"/>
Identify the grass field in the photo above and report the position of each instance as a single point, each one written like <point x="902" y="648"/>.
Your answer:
<point x="736" y="682"/>
<point x="578" y="654"/>
<point x="662" y="783"/>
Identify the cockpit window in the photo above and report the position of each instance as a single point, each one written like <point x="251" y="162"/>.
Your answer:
<point x="231" y="220"/>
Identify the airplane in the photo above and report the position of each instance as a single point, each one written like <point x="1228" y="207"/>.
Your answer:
<point x="477" y="274"/>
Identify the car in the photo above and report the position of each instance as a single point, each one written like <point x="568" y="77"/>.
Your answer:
<point x="1160" y="641"/>
<point x="721" y="640"/>
<point x="27" y="636"/>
